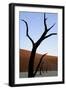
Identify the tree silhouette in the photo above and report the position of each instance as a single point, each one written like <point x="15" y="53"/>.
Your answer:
<point x="35" y="45"/>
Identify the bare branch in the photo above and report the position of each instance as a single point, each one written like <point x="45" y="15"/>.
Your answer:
<point x="50" y="35"/>
<point x="44" y="33"/>
<point x="43" y="36"/>
<point x="51" y="27"/>
<point x="45" y="21"/>
<point x="45" y="24"/>
<point x="39" y="63"/>
<point x="27" y="32"/>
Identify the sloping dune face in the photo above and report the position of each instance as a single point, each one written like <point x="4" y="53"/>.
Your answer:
<point x="49" y="63"/>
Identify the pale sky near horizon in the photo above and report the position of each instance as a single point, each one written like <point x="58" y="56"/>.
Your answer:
<point x="36" y="28"/>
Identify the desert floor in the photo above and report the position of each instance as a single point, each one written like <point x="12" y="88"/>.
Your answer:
<point x="44" y="74"/>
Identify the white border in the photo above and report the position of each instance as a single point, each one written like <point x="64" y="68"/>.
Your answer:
<point x="42" y="79"/>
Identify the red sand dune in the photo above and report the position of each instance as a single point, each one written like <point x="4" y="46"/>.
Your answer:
<point x="50" y="62"/>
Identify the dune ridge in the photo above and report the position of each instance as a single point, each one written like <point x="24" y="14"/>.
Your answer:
<point x="50" y="62"/>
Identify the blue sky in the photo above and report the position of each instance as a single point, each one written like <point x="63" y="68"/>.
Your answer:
<point x="36" y="28"/>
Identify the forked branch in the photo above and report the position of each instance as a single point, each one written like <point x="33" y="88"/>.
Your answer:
<point x="43" y="36"/>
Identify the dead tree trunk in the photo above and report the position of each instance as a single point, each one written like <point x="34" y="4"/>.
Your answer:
<point x="31" y="63"/>
<point x="31" y="72"/>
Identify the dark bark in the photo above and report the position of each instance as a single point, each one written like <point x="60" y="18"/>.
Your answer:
<point x="40" y="71"/>
<point x="31" y="63"/>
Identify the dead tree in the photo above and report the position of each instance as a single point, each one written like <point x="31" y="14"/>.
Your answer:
<point x="35" y="45"/>
<point x="39" y="64"/>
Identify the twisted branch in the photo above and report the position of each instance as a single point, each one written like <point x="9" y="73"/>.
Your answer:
<point x="27" y="32"/>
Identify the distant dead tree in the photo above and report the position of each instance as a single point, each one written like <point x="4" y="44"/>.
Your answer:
<point x="43" y="67"/>
<point x="39" y="64"/>
<point x="35" y="45"/>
